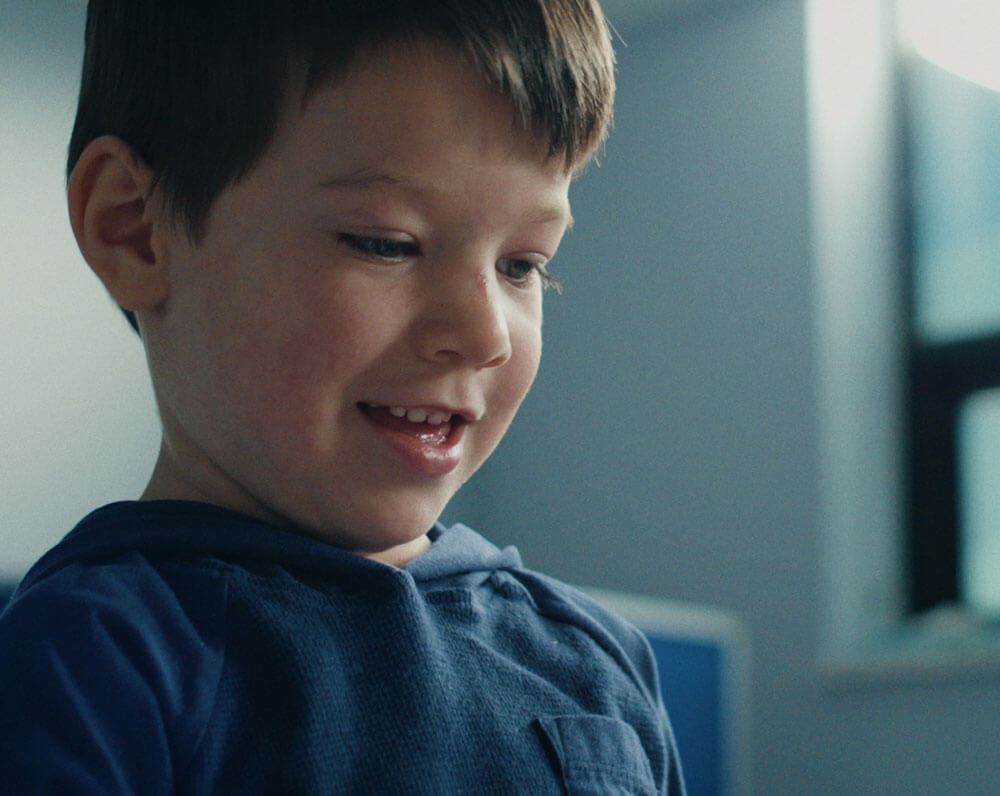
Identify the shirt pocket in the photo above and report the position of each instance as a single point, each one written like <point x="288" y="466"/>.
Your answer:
<point x="598" y="755"/>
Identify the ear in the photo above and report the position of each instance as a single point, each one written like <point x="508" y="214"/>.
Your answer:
<point x="117" y="223"/>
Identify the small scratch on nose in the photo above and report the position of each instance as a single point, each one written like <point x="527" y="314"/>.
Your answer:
<point x="481" y="280"/>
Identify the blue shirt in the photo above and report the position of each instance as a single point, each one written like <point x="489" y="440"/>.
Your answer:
<point x="174" y="647"/>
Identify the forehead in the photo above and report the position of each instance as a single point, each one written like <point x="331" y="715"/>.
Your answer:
<point x="498" y="73"/>
<point x="419" y="118"/>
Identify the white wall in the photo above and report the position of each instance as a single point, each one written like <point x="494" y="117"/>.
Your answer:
<point x="78" y="427"/>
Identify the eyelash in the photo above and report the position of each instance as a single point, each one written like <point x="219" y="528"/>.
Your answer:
<point x="548" y="280"/>
<point x="376" y="248"/>
<point x="389" y="250"/>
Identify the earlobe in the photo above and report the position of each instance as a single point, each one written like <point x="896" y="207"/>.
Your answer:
<point x="116" y="224"/>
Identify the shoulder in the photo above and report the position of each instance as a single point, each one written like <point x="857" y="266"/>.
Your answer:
<point x="103" y="667"/>
<point x="125" y="594"/>
<point x="625" y="643"/>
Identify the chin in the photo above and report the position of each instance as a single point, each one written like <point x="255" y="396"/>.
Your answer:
<point x="377" y="531"/>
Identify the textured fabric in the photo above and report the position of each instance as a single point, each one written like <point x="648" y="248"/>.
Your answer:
<point x="175" y="647"/>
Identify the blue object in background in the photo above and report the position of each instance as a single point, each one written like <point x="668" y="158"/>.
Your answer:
<point x="690" y="673"/>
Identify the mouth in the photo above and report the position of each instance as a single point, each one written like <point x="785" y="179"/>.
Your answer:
<point x="428" y="425"/>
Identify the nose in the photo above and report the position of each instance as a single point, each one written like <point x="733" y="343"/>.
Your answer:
<point x="466" y="321"/>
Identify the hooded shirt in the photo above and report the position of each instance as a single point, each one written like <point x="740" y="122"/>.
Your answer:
<point x="175" y="647"/>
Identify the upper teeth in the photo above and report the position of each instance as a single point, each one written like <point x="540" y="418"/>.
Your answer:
<point x="420" y="415"/>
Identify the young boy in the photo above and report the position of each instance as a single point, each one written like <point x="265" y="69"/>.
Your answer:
<point x="329" y="223"/>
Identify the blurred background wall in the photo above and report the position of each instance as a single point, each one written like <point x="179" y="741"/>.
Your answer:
<point x="672" y="444"/>
<point x="78" y="426"/>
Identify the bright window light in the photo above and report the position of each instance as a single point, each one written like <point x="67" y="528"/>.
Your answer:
<point x="957" y="35"/>
<point x="979" y="471"/>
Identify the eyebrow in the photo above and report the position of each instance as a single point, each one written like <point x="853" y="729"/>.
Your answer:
<point x="369" y="178"/>
<point x="363" y="178"/>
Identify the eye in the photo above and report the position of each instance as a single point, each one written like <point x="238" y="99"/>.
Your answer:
<point x="375" y="248"/>
<point x="523" y="272"/>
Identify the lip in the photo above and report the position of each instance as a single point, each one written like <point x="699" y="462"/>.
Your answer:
<point x="420" y="448"/>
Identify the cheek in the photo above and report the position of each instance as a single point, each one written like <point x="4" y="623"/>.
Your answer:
<point x="274" y="359"/>
<point x="307" y="358"/>
<point x="284" y="394"/>
<point x="526" y="345"/>
<point x="510" y="385"/>
<point x="533" y="354"/>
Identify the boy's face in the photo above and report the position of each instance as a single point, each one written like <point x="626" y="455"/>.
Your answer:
<point x="377" y="262"/>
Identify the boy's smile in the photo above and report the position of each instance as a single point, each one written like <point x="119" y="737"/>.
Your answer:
<point x="353" y="334"/>
<point x="427" y="437"/>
